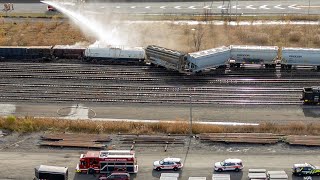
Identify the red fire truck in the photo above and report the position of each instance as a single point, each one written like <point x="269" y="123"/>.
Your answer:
<point x="105" y="162"/>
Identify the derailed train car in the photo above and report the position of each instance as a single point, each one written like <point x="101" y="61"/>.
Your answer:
<point x="207" y="59"/>
<point x="170" y="59"/>
<point x="266" y="55"/>
<point x="310" y="95"/>
<point x="300" y="57"/>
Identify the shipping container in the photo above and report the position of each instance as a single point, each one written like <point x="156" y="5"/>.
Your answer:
<point x="211" y="58"/>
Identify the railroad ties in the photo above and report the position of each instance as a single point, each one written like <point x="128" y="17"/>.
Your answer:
<point x="251" y="138"/>
<point x="149" y="140"/>
<point x="303" y="140"/>
<point x="75" y="140"/>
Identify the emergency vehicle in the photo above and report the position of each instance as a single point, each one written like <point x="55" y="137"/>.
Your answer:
<point x="105" y="162"/>
<point x="305" y="169"/>
<point x="229" y="165"/>
<point x="168" y="163"/>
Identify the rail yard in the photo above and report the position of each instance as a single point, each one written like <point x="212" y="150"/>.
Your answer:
<point x="88" y="83"/>
<point x="104" y="107"/>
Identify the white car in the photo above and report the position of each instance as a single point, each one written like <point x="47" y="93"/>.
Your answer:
<point x="229" y="165"/>
<point x="168" y="164"/>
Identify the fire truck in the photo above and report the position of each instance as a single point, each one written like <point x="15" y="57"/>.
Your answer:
<point x="106" y="162"/>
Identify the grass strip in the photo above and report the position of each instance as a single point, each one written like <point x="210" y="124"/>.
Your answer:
<point x="31" y="124"/>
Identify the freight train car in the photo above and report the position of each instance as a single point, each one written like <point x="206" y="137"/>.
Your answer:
<point x="211" y="58"/>
<point x="300" y="56"/>
<point x="117" y="55"/>
<point x="68" y="52"/>
<point x="266" y="55"/>
<point x="25" y="52"/>
<point x="170" y="59"/>
<point x="310" y="95"/>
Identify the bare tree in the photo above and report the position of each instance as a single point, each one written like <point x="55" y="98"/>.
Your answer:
<point x="198" y="34"/>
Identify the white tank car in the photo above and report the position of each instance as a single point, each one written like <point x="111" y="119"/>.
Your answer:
<point x="300" y="56"/>
<point x="120" y="53"/>
<point x="254" y="54"/>
<point x="211" y="58"/>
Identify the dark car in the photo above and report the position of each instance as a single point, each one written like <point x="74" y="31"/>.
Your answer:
<point x="51" y="8"/>
<point x="116" y="176"/>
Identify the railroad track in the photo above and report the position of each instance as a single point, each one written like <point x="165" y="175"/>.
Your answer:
<point x="81" y="83"/>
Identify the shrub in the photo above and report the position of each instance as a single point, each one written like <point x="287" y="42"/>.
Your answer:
<point x="295" y="37"/>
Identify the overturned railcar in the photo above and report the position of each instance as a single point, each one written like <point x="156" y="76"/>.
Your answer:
<point x="207" y="59"/>
<point x="170" y="59"/>
<point x="300" y="57"/>
<point x="310" y="95"/>
<point x="267" y="55"/>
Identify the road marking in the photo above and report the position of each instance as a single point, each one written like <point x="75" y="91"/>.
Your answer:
<point x="278" y="7"/>
<point x="293" y="6"/>
<point x="7" y="109"/>
<point x="192" y="7"/>
<point x="133" y="7"/>
<point x="235" y="7"/>
<point x="250" y="7"/>
<point x="177" y="7"/>
<point x="162" y="7"/>
<point x="221" y="7"/>
<point x="78" y="112"/>
<point x="118" y="7"/>
<point x="207" y="7"/>
<point x="308" y="6"/>
<point x="264" y="7"/>
<point x="147" y="7"/>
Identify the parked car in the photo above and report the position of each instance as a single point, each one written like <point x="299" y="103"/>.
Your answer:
<point x="305" y="169"/>
<point x="229" y="165"/>
<point x="116" y="176"/>
<point x="51" y="172"/>
<point x="168" y="163"/>
<point x="51" y="8"/>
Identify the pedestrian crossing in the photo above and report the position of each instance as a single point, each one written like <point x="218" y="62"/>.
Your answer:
<point x="249" y="7"/>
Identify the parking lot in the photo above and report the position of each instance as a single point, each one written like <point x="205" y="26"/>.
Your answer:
<point x="22" y="153"/>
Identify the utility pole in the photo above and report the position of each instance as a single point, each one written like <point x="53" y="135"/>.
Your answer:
<point x="236" y="8"/>
<point x="190" y="115"/>
<point x="309" y="8"/>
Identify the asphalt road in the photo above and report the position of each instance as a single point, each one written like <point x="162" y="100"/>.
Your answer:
<point x="216" y="7"/>
<point x="219" y="113"/>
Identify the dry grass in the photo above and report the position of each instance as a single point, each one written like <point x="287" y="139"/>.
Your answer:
<point x="30" y="124"/>
<point x="175" y="36"/>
